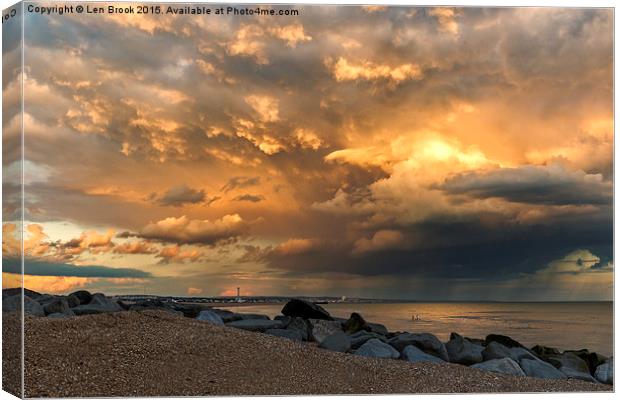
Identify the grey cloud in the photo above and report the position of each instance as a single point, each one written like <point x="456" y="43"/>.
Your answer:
<point x="240" y="182"/>
<point x="550" y="185"/>
<point x="179" y="196"/>
<point x="250" y="197"/>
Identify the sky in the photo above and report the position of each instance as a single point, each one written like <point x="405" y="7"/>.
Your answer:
<point x="408" y="153"/>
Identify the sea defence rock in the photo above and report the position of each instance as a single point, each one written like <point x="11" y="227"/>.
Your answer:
<point x="573" y="366"/>
<point x="377" y="349"/>
<point x="504" y="365"/>
<point x="84" y="296"/>
<point x="285" y="333"/>
<point x="413" y="354"/>
<point x="495" y="350"/>
<point x="226" y="315"/>
<point x="320" y="329"/>
<point x="73" y="301"/>
<point x="338" y="341"/>
<point x="253" y="316"/>
<point x="98" y="304"/>
<point x="540" y="369"/>
<point x="302" y="326"/>
<point x="424" y="341"/>
<point x="520" y="353"/>
<point x="67" y="314"/>
<point x="376" y="328"/>
<point x="255" y="325"/>
<point x="593" y="359"/>
<point x="58" y="305"/>
<point x="305" y="309"/>
<point x="210" y="316"/>
<point x="18" y="291"/>
<point x="14" y="303"/>
<point x="462" y="351"/>
<point x="355" y="323"/>
<point x="505" y="340"/>
<point x="543" y="351"/>
<point x="361" y="337"/>
<point x="605" y="372"/>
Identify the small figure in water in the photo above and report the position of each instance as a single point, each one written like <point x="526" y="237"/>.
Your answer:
<point x="415" y="317"/>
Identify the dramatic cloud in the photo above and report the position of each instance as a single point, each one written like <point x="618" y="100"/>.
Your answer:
<point x="249" y="197"/>
<point x="552" y="184"/>
<point x="240" y="182"/>
<point x="345" y="70"/>
<point x="179" y="196"/>
<point x="183" y="230"/>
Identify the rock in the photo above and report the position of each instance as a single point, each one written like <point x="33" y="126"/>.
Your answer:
<point x="188" y="310"/>
<point x="18" y="291"/>
<point x="520" y="353"/>
<point x="479" y="342"/>
<point x="505" y="340"/>
<point x="285" y="333"/>
<point x="377" y="349"/>
<point x="540" y="369"/>
<point x="45" y="298"/>
<point x="605" y="372"/>
<point x="573" y="366"/>
<point x="56" y="306"/>
<point x="462" y="351"/>
<point x="305" y="309"/>
<point x="67" y="314"/>
<point x="593" y="360"/>
<point x="320" y="329"/>
<point x="302" y="326"/>
<point x="98" y="304"/>
<point x="14" y="303"/>
<point x="255" y="325"/>
<point x="361" y="337"/>
<point x="338" y="341"/>
<point x="73" y="301"/>
<point x="227" y="316"/>
<point x="505" y="366"/>
<point x="123" y="305"/>
<point x="495" y="350"/>
<point x="210" y="316"/>
<point x="84" y="296"/>
<point x="544" y="351"/>
<point x="354" y="324"/>
<point x="424" y="341"/>
<point x="376" y="328"/>
<point x="413" y="354"/>
<point x="253" y="316"/>
<point x="284" y="319"/>
<point x="151" y="304"/>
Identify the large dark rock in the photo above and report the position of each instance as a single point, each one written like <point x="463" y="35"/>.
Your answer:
<point x="573" y="366"/>
<point x="189" y="310"/>
<point x="540" y="369"/>
<point x="73" y="301"/>
<point x="320" y="329"/>
<point x="302" y="326"/>
<point x="377" y="349"/>
<point x="227" y="316"/>
<point x="354" y="324"/>
<point x="462" y="351"/>
<point x="305" y="309"/>
<point x="605" y="372"/>
<point x="505" y="366"/>
<point x="18" y="291"/>
<point x="544" y="351"/>
<point x="210" y="316"/>
<point x="84" y="296"/>
<point x="413" y="355"/>
<point x="505" y="340"/>
<point x="424" y="341"/>
<point x="253" y="316"/>
<point x="57" y="306"/>
<point x="285" y="333"/>
<point x="494" y="351"/>
<point x="14" y="304"/>
<point x="338" y="341"/>
<point x="67" y="314"/>
<point x="361" y="337"/>
<point x="593" y="360"/>
<point x="255" y="325"/>
<point x="98" y="304"/>
<point x="376" y="328"/>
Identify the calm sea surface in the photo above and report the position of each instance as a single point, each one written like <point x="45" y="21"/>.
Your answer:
<point x="562" y="325"/>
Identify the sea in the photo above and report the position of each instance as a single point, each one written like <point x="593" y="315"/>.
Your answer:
<point x="566" y="326"/>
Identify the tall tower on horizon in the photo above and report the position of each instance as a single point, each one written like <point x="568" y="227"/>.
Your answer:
<point x="238" y="294"/>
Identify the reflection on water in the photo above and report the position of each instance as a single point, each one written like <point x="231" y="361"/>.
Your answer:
<point x="562" y="325"/>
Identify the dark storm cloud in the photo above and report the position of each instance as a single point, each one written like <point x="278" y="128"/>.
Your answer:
<point x="252" y="198"/>
<point x="179" y="196"/>
<point x="551" y="185"/>
<point x="43" y="268"/>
